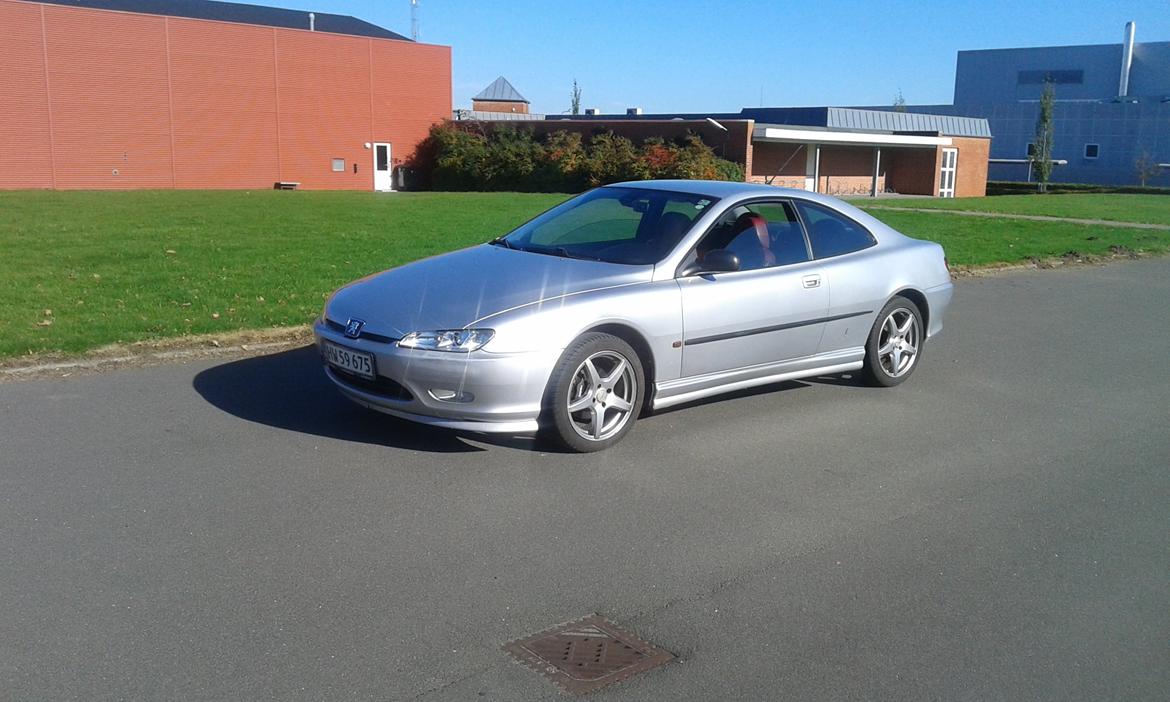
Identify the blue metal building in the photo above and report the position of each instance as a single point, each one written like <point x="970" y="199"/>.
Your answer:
<point x="1112" y="108"/>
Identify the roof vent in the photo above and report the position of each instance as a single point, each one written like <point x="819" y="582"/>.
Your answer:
<point x="633" y="110"/>
<point x="592" y="111"/>
<point x="312" y="22"/>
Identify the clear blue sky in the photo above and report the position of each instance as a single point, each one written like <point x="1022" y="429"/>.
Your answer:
<point x="712" y="55"/>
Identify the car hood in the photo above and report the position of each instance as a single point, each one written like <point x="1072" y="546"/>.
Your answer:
<point x="453" y="290"/>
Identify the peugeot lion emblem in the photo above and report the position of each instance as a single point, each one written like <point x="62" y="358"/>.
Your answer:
<point x="353" y="328"/>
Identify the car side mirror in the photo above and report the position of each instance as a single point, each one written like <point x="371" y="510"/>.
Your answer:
<point x="714" y="261"/>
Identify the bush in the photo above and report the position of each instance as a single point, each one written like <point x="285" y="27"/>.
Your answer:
<point x="464" y="157"/>
<point x="565" y="165"/>
<point x="1005" y="187"/>
<point x="460" y="158"/>
<point x="728" y="170"/>
<point x="612" y="159"/>
<point x="513" y="155"/>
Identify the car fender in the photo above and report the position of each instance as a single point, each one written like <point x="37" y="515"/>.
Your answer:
<point x="653" y="311"/>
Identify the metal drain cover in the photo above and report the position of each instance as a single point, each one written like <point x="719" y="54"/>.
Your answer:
<point x="586" y="654"/>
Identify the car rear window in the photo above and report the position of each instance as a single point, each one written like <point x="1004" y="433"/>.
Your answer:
<point x="832" y="234"/>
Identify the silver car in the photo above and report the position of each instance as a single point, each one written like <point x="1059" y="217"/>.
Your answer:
<point x="635" y="297"/>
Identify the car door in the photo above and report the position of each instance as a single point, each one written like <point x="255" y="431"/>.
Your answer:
<point x="770" y="310"/>
<point x="839" y="245"/>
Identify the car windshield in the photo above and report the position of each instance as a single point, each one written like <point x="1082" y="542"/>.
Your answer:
<point x="634" y="226"/>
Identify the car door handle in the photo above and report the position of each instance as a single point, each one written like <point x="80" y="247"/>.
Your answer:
<point x="811" y="281"/>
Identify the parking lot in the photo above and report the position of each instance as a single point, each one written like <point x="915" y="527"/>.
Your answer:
<point x="996" y="528"/>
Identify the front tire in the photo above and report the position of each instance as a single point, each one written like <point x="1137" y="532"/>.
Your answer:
<point x="895" y="343"/>
<point x="594" y="394"/>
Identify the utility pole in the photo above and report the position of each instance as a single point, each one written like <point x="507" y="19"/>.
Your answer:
<point x="414" y="20"/>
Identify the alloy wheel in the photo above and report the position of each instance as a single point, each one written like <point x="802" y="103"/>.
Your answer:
<point x="601" y="395"/>
<point x="898" y="342"/>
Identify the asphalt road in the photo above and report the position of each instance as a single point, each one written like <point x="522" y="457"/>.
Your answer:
<point x="998" y="528"/>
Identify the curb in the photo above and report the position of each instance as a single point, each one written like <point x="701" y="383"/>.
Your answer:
<point x="124" y="357"/>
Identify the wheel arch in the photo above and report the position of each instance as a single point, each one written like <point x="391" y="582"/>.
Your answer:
<point x="918" y="298"/>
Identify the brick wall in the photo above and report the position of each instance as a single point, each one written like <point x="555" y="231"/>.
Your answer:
<point x="844" y="170"/>
<point x="917" y="171"/>
<point x="25" y="136"/>
<point x="520" y="108"/>
<point x="912" y="171"/>
<point x="778" y="162"/>
<point x="971" y="166"/>
<point x="848" y="170"/>
<point x="96" y="99"/>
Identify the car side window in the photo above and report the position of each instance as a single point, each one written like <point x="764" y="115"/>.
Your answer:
<point x="832" y="234"/>
<point x="761" y="235"/>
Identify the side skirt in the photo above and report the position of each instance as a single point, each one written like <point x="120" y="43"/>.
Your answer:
<point x="683" y="390"/>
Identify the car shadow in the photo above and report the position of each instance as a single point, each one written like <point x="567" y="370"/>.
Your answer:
<point x="851" y="379"/>
<point x="289" y="390"/>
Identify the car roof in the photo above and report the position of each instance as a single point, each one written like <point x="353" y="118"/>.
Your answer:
<point x="730" y="193"/>
<point x="721" y="189"/>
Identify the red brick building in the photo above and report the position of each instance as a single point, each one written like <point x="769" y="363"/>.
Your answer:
<point x="117" y="94"/>
<point x="831" y="150"/>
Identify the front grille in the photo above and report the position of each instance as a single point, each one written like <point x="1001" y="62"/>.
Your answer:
<point x="382" y="385"/>
<point x="340" y="329"/>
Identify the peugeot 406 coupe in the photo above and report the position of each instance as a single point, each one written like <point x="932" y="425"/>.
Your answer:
<point x="635" y="297"/>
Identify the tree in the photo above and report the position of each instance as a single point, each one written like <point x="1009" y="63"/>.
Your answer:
<point x="575" y="107"/>
<point x="1041" y="156"/>
<point x="1146" y="167"/>
<point x="899" y="102"/>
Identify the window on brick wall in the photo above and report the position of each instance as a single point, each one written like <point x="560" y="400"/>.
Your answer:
<point x="339" y="165"/>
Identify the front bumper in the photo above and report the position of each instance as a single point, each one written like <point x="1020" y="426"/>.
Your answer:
<point x="503" y="392"/>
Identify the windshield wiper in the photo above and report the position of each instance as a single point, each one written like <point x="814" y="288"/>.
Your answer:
<point x="560" y="251"/>
<point x="502" y="241"/>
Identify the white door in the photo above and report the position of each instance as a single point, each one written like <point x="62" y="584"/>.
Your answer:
<point x="950" y="160"/>
<point x="383" y="175"/>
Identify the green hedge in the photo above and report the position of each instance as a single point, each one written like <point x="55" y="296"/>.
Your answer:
<point x="1004" y="187"/>
<point x="514" y="159"/>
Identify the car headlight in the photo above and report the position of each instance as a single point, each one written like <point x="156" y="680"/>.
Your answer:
<point x="458" y="340"/>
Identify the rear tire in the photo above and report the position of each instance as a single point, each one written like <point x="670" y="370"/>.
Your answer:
<point x="895" y="343"/>
<point x="594" y="394"/>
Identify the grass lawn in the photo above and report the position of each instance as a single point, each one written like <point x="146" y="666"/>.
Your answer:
<point x="1149" y="209"/>
<point x="977" y="241"/>
<point x="79" y="270"/>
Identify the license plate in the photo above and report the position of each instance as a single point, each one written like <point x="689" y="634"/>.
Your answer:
<point x="356" y="362"/>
